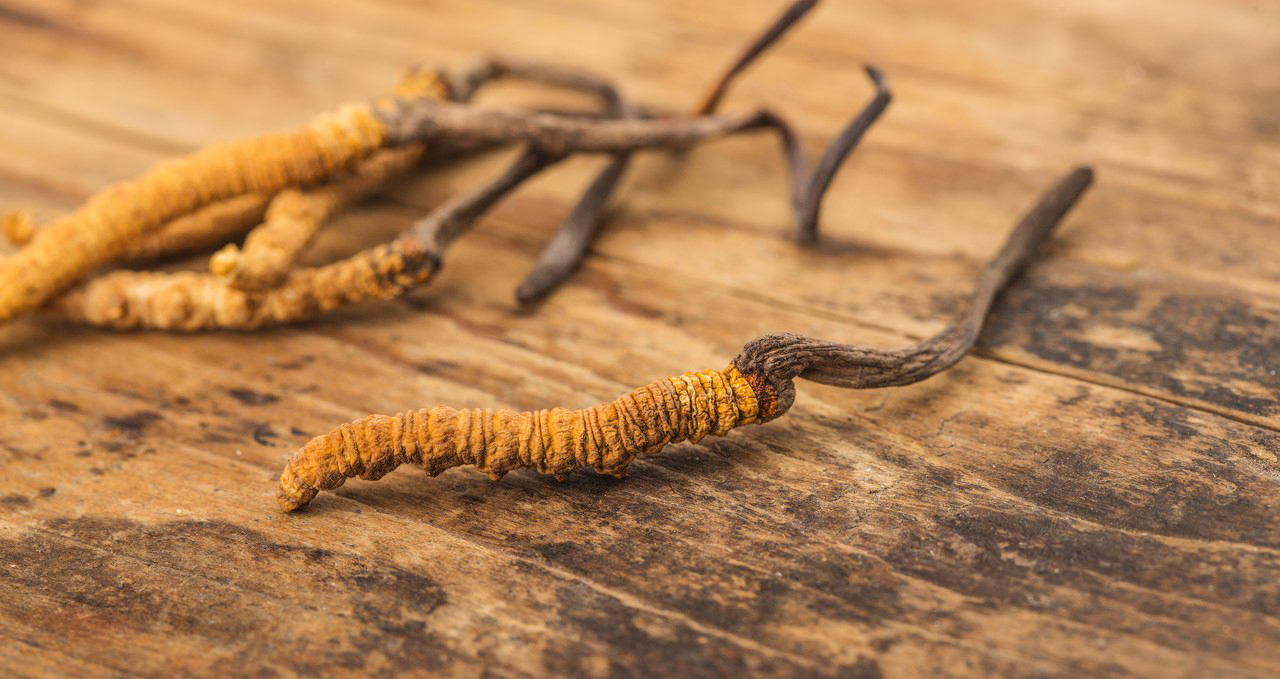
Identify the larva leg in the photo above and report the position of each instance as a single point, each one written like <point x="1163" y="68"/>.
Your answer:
<point x="756" y="387"/>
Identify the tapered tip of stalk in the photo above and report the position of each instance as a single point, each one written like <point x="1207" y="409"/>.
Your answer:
<point x="882" y="85"/>
<point x="806" y="231"/>
<point x="536" y="287"/>
<point x="1082" y="175"/>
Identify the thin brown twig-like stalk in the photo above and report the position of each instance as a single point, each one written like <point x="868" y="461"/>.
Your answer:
<point x="809" y="200"/>
<point x="793" y="13"/>
<point x="563" y="254"/>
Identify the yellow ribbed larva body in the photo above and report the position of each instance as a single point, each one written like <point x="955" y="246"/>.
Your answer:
<point x="606" y="437"/>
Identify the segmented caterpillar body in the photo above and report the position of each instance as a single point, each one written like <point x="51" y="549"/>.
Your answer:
<point x="606" y="437"/>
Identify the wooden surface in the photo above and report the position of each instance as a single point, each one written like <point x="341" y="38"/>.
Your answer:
<point x="1096" y="493"/>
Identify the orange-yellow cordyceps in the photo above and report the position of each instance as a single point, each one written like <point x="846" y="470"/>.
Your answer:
<point x="757" y="386"/>
<point x="105" y="226"/>
<point x="606" y="437"/>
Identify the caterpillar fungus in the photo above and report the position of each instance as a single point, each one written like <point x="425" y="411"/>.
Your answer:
<point x="260" y="283"/>
<point x="109" y="221"/>
<point x="756" y="387"/>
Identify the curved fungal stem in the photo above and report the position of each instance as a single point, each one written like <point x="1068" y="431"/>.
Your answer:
<point x="793" y="13"/>
<point x="809" y="197"/>
<point x="564" y="253"/>
<point x="756" y="387"/>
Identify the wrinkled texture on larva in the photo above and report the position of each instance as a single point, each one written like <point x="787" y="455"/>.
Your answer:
<point x="296" y="215"/>
<point x="198" y="301"/>
<point x="204" y="228"/>
<point x="605" y="437"/>
<point x="103" y="228"/>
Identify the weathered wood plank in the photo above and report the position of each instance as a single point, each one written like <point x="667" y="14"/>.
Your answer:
<point x="869" y="524"/>
<point x="1094" y="494"/>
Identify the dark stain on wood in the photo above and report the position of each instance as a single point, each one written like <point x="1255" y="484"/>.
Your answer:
<point x="132" y="425"/>
<point x="249" y="397"/>
<point x="197" y="579"/>
<point x="1220" y="348"/>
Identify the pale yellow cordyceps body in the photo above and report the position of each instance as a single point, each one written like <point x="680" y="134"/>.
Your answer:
<point x="605" y="437"/>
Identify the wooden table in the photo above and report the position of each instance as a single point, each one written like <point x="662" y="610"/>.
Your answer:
<point x="1095" y="493"/>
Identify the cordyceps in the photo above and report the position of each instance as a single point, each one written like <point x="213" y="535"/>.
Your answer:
<point x="310" y="174"/>
<point x="756" y="387"/>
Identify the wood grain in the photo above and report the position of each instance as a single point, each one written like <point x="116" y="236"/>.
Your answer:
<point x="1094" y="493"/>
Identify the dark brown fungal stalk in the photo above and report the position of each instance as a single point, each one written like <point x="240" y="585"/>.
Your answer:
<point x="757" y="386"/>
<point x="780" y="26"/>
<point x="809" y="199"/>
<point x="565" y="251"/>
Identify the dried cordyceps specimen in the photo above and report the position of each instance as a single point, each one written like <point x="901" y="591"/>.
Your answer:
<point x="265" y="289"/>
<point x="295" y="215"/>
<point x="756" y="387"/>
<point x="107" y="225"/>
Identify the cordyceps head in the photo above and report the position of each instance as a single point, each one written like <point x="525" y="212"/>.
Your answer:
<point x="367" y="448"/>
<point x="312" y="467"/>
<point x="294" y="493"/>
